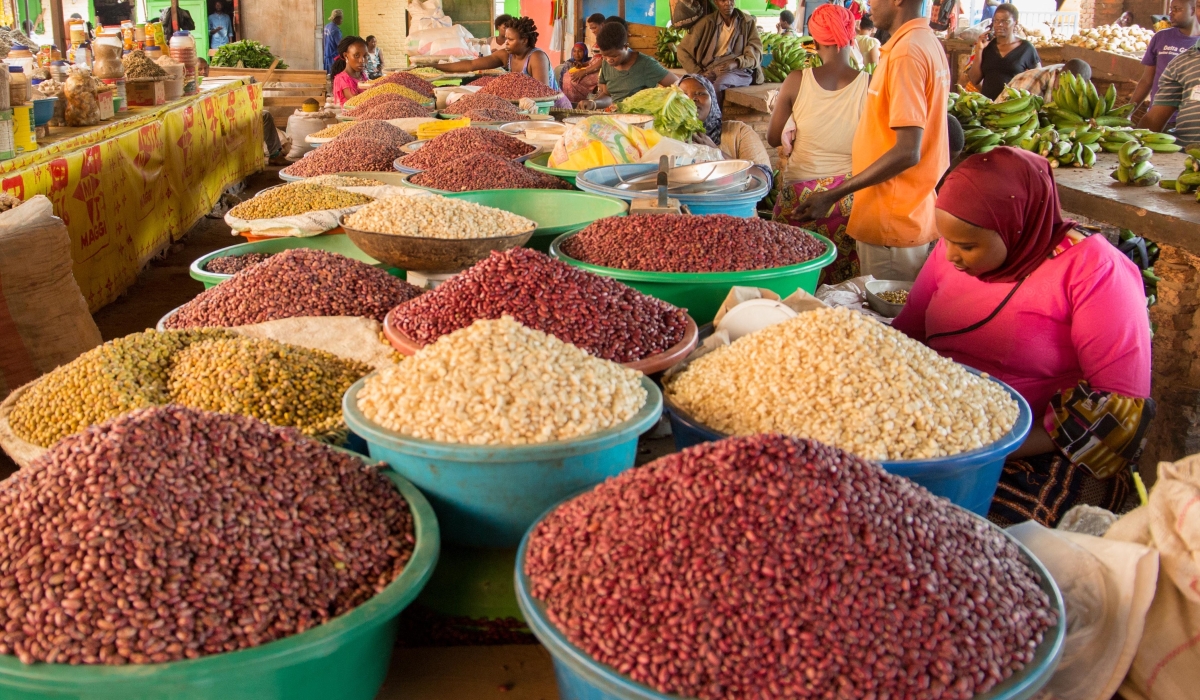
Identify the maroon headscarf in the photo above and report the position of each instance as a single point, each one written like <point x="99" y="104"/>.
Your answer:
<point x="1009" y="191"/>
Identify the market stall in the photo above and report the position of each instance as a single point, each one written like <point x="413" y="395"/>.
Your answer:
<point x="128" y="187"/>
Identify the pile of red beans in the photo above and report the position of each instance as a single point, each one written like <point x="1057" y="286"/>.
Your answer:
<point x="481" y="101"/>
<point x="461" y="143"/>
<point x="598" y="314"/>
<point x="344" y="155"/>
<point x="770" y="566"/>
<point x="485" y="171"/>
<point x="394" y="107"/>
<point x="514" y="86"/>
<point x="687" y="243"/>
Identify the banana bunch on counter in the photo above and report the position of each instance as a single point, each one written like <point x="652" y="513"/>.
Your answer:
<point x="1187" y="181"/>
<point x="788" y="54"/>
<point x="1135" y="167"/>
<point x="1076" y="102"/>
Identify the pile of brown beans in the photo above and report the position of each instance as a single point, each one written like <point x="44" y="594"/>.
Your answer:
<point x="173" y="533"/>
<point x="378" y="130"/>
<point x="770" y="566"/>
<point x="408" y="80"/>
<point x="460" y="143"/>
<point x="486" y="171"/>
<point x="391" y="104"/>
<point x="594" y="313"/>
<point x="233" y="264"/>
<point x="495" y="115"/>
<point x="347" y="154"/>
<point x="297" y="282"/>
<point x="481" y="101"/>
<point x="688" y="243"/>
<point x="514" y="86"/>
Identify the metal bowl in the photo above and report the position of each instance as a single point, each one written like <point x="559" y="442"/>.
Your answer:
<point x="431" y="255"/>
<point x="878" y="305"/>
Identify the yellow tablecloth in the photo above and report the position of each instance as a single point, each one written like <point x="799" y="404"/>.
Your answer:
<point x="126" y="189"/>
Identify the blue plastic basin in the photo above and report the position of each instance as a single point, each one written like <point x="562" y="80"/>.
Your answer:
<point x="488" y="495"/>
<point x="601" y="180"/>
<point x="968" y="479"/>
<point x="580" y="677"/>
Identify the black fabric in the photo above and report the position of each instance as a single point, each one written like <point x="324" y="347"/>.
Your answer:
<point x="954" y="134"/>
<point x="998" y="70"/>
<point x="1044" y="487"/>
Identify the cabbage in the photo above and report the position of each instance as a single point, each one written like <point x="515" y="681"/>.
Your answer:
<point x="674" y="112"/>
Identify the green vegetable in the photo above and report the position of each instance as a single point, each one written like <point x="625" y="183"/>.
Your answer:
<point x="251" y="53"/>
<point x="674" y="112"/>
<point x="668" y="42"/>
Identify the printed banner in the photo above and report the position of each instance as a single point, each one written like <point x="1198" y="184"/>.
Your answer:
<point x="127" y="189"/>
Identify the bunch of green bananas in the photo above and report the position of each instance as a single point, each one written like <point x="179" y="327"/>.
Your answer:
<point x="966" y="107"/>
<point x="788" y="53"/>
<point x="1115" y="139"/>
<point x="1069" y="147"/>
<point x="1076" y="102"/>
<point x="668" y="40"/>
<point x="990" y="124"/>
<point x="766" y="205"/>
<point x="1187" y="181"/>
<point x="1135" y="167"/>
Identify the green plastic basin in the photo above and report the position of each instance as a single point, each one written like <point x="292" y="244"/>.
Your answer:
<point x="335" y="243"/>
<point x="541" y="163"/>
<point x="702" y="293"/>
<point x="556" y="212"/>
<point x="345" y="658"/>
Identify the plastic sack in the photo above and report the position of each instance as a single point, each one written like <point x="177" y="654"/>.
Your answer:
<point x="1167" y="664"/>
<point x="83" y="108"/>
<point x="313" y="223"/>
<point x="1107" y="587"/>
<point x="601" y="140"/>
<point x="441" y="41"/>
<point x="427" y="15"/>
<point x="301" y="124"/>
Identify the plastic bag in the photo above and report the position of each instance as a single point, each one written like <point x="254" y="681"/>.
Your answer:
<point x="301" y="124"/>
<point x="427" y="15"/>
<point x="441" y="41"/>
<point x="601" y="140"/>
<point x="83" y="109"/>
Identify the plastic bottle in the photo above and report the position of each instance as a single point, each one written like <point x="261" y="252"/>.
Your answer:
<point x="183" y="49"/>
<point x="18" y="86"/>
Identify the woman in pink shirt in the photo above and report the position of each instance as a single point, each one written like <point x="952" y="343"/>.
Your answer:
<point x="1015" y="291"/>
<point x="348" y="68"/>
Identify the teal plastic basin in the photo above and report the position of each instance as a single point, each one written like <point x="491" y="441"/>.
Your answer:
<point x="702" y="293"/>
<point x="334" y="243"/>
<point x="580" y="677"/>
<point x="345" y="658"/>
<point x="556" y="211"/>
<point x="541" y="163"/>
<point x="968" y="479"/>
<point x="487" y="496"/>
<point x="601" y="180"/>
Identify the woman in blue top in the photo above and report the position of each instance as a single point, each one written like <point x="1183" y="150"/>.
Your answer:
<point x="519" y="55"/>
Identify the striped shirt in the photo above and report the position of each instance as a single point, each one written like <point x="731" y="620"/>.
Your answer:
<point x="1179" y="87"/>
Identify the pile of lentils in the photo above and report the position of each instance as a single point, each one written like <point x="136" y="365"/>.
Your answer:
<point x="838" y="376"/>
<point x="233" y="264"/>
<point x="346" y="154"/>
<point x="596" y="314"/>
<point x="769" y="566"/>
<point x="344" y="181"/>
<point x="460" y="143"/>
<point x="495" y="115"/>
<point x="401" y="107"/>
<point x="172" y="533"/>
<point x="216" y="370"/>
<point x="408" y="80"/>
<point x="514" y="86"/>
<point x="297" y="282"/>
<point x="378" y="130"/>
<point x="138" y="66"/>
<point x="485" y="171"/>
<point x="689" y="243"/>
<point x="497" y="382"/>
<point x="388" y="89"/>
<point x="296" y="198"/>
<point x="436" y="217"/>
<point x="481" y="101"/>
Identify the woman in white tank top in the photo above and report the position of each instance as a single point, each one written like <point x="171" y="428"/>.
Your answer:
<point x="824" y="104"/>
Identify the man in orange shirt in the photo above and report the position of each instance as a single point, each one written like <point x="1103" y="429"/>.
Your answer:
<point x="901" y="149"/>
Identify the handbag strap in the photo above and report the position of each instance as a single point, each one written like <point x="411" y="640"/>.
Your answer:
<point x="979" y="324"/>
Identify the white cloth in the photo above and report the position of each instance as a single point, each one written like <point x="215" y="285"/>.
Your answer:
<point x="825" y="124"/>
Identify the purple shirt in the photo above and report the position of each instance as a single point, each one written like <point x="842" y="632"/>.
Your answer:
<point x="1164" y="46"/>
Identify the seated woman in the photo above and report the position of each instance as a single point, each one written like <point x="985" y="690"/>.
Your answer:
<point x="593" y="23"/>
<point x="519" y="55"/>
<point x="348" y="68"/>
<point x="497" y="42"/>
<point x="724" y="46"/>
<point x="1015" y="291"/>
<point x="625" y="71"/>
<point x="582" y="74"/>
<point x="825" y="104"/>
<point x="735" y="139"/>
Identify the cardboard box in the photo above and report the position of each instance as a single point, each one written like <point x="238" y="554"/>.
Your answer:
<point x="146" y="93"/>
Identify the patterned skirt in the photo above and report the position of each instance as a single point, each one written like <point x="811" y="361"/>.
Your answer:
<point x="1044" y="487"/>
<point x="833" y="227"/>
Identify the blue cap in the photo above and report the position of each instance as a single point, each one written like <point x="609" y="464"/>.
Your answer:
<point x="16" y="69"/>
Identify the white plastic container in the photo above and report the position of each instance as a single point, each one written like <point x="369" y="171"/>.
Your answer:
<point x="174" y="81"/>
<point x="183" y="49"/>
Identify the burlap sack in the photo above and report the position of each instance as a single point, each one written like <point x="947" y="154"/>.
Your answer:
<point x="1167" y="665"/>
<point x="22" y="452"/>
<point x="44" y="319"/>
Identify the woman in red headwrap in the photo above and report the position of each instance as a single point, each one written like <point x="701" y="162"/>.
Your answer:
<point x="1015" y="291"/>
<point x="824" y="104"/>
